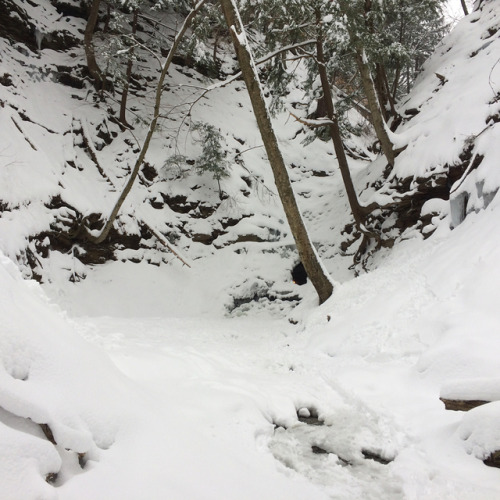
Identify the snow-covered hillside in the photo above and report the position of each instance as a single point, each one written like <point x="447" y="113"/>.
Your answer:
<point x="65" y="159"/>
<point x="125" y="374"/>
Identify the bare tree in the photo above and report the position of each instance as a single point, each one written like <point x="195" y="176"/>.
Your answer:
<point x="93" y="67"/>
<point x="307" y="252"/>
<point x="152" y="126"/>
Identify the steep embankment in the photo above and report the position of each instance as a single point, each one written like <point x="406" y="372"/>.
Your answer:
<point x="450" y="131"/>
<point x="66" y="159"/>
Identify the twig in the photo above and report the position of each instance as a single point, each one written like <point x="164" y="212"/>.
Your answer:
<point x="92" y="152"/>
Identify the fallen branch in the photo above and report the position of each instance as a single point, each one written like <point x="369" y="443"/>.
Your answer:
<point x="92" y="152"/>
<point x="23" y="133"/>
<point x="165" y="243"/>
<point x="312" y="123"/>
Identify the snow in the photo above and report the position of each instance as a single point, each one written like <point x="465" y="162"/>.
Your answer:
<point x="479" y="389"/>
<point x="447" y="118"/>
<point x="159" y="400"/>
<point x="479" y="430"/>
<point x="167" y="388"/>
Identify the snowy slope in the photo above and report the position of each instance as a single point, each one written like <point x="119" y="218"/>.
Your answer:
<point x="450" y="128"/>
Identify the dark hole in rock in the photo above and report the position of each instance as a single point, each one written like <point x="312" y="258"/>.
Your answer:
<point x="51" y="477"/>
<point x="299" y="275"/>
<point x="318" y="450"/>
<point x="82" y="460"/>
<point x="371" y="455"/>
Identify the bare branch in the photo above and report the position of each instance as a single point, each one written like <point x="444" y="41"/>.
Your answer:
<point x="312" y="123"/>
<point x="152" y="126"/>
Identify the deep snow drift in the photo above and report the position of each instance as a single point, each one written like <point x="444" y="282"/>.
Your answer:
<point x="151" y="391"/>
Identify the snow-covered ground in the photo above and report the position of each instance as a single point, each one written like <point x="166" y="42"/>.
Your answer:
<point x="155" y="385"/>
<point x="172" y="406"/>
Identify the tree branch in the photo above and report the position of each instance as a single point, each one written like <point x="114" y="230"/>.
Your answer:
<point x="152" y="126"/>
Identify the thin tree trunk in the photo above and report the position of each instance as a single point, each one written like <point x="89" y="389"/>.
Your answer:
<point x="371" y="97"/>
<point x="464" y="7"/>
<point x="384" y="93"/>
<point x="152" y="126"/>
<point x="395" y="83"/>
<point x="93" y="67"/>
<point x="390" y="99"/>
<point x="307" y="253"/>
<point x="357" y="210"/>
<point x="126" y="85"/>
<point x="379" y="87"/>
<point x="367" y="81"/>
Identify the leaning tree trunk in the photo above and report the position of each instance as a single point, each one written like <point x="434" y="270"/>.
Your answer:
<point x="464" y="7"/>
<point x="152" y="126"/>
<point x="359" y="211"/>
<point x="93" y="67"/>
<point x="356" y="208"/>
<point x="366" y="78"/>
<point x="307" y="253"/>
<point x="373" y="104"/>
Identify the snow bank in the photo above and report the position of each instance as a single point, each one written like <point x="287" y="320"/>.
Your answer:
<point x="480" y="389"/>
<point x="480" y="431"/>
<point x="49" y="375"/>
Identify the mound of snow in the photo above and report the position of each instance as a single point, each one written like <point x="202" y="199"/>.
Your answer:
<point x="49" y="378"/>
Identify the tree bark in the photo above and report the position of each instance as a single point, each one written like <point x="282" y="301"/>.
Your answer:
<point x="93" y="67"/>
<point x="152" y="126"/>
<point x="306" y="250"/>
<point x="395" y="83"/>
<point x="357" y="210"/>
<point x="373" y="104"/>
<point x="464" y="7"/>
<point x="126" y="85"/>
<point x="367" y="80"/>
<point x="384" y="92"/>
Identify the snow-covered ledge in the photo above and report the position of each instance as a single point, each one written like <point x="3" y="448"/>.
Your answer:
<point x="463" y="395"/>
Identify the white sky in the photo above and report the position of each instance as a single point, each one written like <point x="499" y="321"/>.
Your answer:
<point x="454" y="8"/>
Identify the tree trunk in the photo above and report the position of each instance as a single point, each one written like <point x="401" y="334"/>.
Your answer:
<point x="357" y="210"/>
<point x="464" y="7"/>
<point x="395" y="83"/>
<point x="385" y="95"/>
<point x="307" y="253"/>
<point x="367" y="81"/>
<point x="379" y="87"/>
<point x="152" y="127"/>
<point x="126" y="85"/>
<point x="93" y="67"/>
<point x="371" y="97"/>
